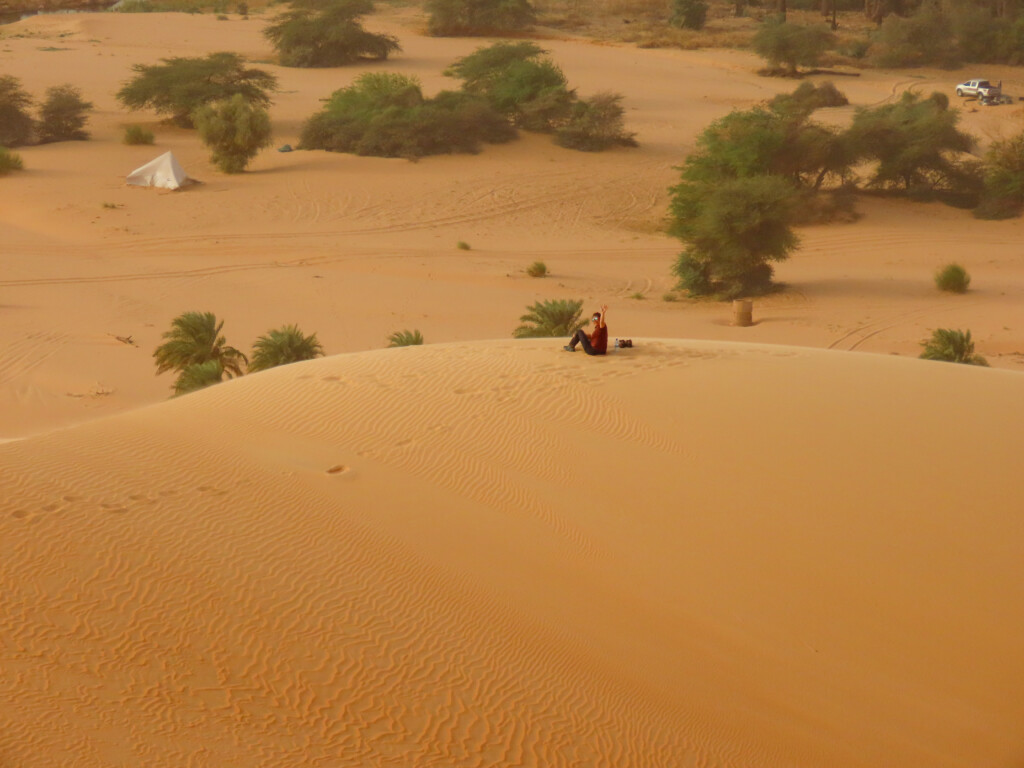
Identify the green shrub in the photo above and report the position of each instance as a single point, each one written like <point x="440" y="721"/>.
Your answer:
<point x="689" y="14"/>
<point x="405" y="338"/>
<point x="537" y="269"/>
<point x="552" y="317"/>
<point x="386" y="115"/>
<point x="669" y="297"/>
<point x="462" y="245"/>
<point x="952" y="278"/>
<point x="1004" y="180"/>
<point x="198" y="376"/>
<point x="914" y="143"/>
<point x="452" y="18"/>
<point x="518" y="83"/>
<point x="951" y="346"/>
<point x="595" y="125"/>
<point x="809" y="97"/>
<point x="62" y="117"/>
<point x="136" y="134"/>
<point x="15" y="122"/>
<point x="327" y="35"/>
<point x="282" y="346"/>
<point x="926" y="38"/>
<point x="9" y="161"/>
<point x="234" y="130"/>
<point x="732" y="231"/>
<point x="791" y="45"/>
<point x="178" y="86"/>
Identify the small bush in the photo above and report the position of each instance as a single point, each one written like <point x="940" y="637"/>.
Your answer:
<point x="453" y="18"/>
<point x="669" y="297"/>
<point x="462" y="245"/>
<point x="9" y="161"/>
<point x="386" y="115"/>
<point x="951" y="346"/>
<point x="791" y="45"/>
<point x="808" y="97"/>
<point x="596" y="125"/>
<point x="689" y="14"/>
<point x="15" y="122"/>
<point x="952" y="278"/>
<point x="1003" y="196"/>
<point x="136" y="134"/>
<point x="282" y="346"/>
<point x="638" y="296"/>
<point x="62" y="117"/>
<point x="327" y="35"/>
<point x="198" y="376"/>
<point x="553" y="317"/>
<point x="405" y="339"/>
<point x="537" y="269"/>
<point x="234" y="130"/>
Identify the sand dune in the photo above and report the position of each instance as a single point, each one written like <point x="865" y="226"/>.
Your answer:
<point x="688" y="553"/>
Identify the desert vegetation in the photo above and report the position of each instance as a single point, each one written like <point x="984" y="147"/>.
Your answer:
<point x="689" y="14"/>
<point x="198" y="352"/>
<point x="234" y="130"/>
<point x="786" y="47"/>
<point x="63" y="115"/>
<point x="16" y="124"/>
<point x="282" y="346"/>
<point x="136" y="134"/>
<point x="178" y="86"/>
<point x="952" y="278"/>
<point x="9" y="161"/>
<point x="951" y="346"/>
<point x="551" y="317"/>
<point x="405" y="338"/>
<point x="317" y="34"/>
<point x="453" y="18"/>
<point x="537" y="269"/>
<point x="1003" y="194"/>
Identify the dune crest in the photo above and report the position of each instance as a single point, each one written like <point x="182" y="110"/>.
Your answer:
<point x="497" y="553"/>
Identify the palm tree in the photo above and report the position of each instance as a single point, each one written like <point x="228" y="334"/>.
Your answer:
<point x="952" y="347"/>
<point x="554" y="317"/>
<point x="198" y="376"/>
<point x="282" y="346"/>
<point x="405" y="339"/>
<point x="195" y="338"/>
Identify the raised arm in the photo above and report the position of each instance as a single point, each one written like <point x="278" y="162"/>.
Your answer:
<point x="604" y="310"/>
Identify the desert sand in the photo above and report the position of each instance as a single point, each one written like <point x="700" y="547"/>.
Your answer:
<point x="724" y="547"/>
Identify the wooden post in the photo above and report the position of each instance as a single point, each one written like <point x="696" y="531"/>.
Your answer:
<point x="743" y="312"/>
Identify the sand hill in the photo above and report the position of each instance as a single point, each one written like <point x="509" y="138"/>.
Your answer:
<point x="496" y="554"/>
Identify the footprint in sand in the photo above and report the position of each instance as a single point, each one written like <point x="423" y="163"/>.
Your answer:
<point x="339" y="469"/>
<point x="114" y="508"/>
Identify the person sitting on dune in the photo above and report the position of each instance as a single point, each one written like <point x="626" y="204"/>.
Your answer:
<point x="597" y="343"/>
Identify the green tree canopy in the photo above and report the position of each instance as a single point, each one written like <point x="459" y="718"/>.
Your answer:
<point x="198" y="376"/>
<point x="514" y="78"/>
<point x="194" y="338"/>
<point x="733" y="230"/>
<point x="452" y="18"/>
<point x="328" y="35"/>
<point x="62" y="116"/>
<point x="552" y="317"/>
<point x="282" y="346"/>
<point x="15" y="122"/>
<point x="915" y="142"/>
<point x="1004" y="178"/>
<point x="386" y="115"/>
<point x="791" y="45"/>
<point x="234" y="130"/>
<point x="179" y="85"/>
<point x="689" y="14"/>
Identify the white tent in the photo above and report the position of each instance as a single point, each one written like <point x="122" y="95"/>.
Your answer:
<point x="164" y="172"/>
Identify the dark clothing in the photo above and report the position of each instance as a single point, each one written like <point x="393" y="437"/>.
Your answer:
<point x="580" y="337"/>
<point x="599" y="339"/>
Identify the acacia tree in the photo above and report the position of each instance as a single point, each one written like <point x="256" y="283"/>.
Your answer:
<point x="733" y="230"/>
<point x="15" y="122"/>
<point x="234" y="130"/>
<point x="327" y="36"/>
<point x="915" y="142"/>
<point x="791" y="45"/>
<point x="62" y="117"/>
<point x="1004" y="179"/>
<point x="452" y="18"/>
<point x="180" y="85"/>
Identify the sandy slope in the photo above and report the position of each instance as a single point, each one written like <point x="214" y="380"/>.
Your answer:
<point x="355" y="248"/>
<point x="496" y="554"/>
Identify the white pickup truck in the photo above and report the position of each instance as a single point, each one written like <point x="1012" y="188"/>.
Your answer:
<point x="983" y="89"/>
